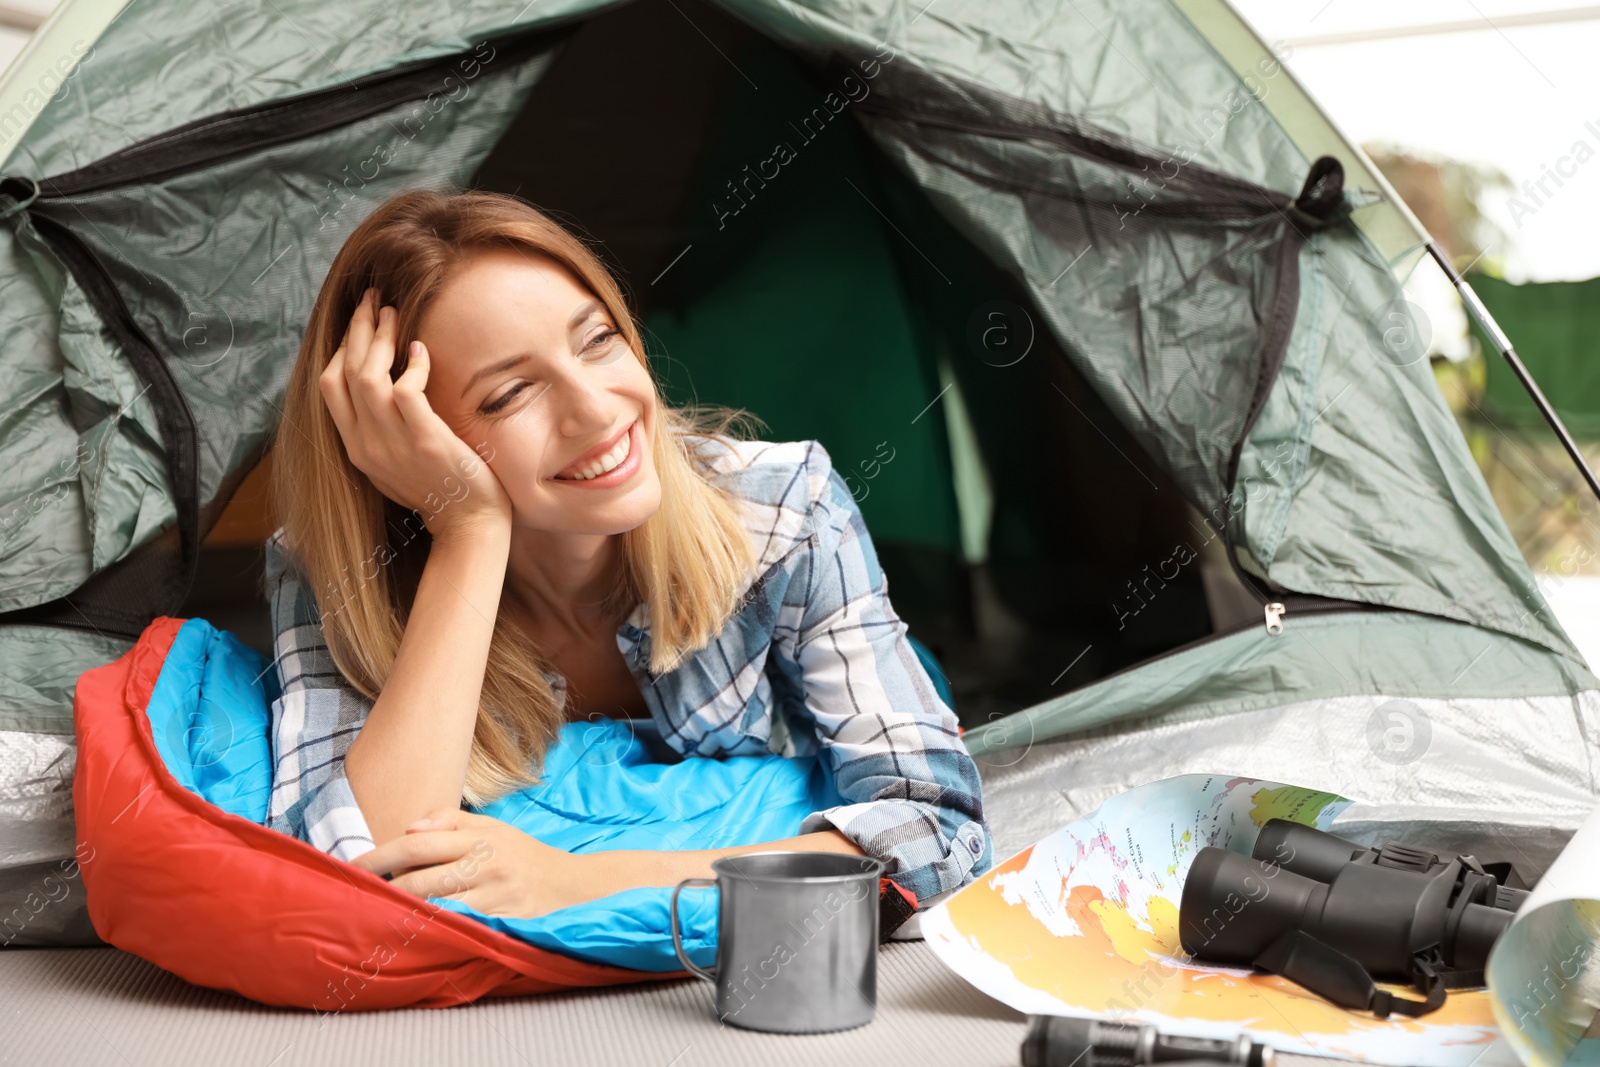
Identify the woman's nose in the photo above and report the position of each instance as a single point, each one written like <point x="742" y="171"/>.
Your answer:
<point x="585" y="405"/>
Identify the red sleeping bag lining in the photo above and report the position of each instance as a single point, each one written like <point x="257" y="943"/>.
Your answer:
<point x="225" y="903"/>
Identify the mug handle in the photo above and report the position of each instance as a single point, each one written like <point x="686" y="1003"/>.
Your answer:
<point x="677" y="934"/>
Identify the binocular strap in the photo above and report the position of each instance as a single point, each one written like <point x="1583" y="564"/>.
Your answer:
<point x="1329" y="973"/>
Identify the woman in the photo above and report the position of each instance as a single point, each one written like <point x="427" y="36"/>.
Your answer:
<point x="506" y="530"/>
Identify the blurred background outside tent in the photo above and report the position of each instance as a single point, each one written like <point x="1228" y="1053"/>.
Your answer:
<point x="1485" y="116"/>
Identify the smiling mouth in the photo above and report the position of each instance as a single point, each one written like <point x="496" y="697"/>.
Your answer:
<point x="608" y="461"/>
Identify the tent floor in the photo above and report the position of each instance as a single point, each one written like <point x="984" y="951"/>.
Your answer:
<point x="103" y="1005"/>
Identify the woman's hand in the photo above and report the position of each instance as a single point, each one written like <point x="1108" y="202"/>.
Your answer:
<point x="394" y="436"/>
<point x="489" y="865"/>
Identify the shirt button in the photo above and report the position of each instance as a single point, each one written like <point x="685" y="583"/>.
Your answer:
<point x="977" y="846"/>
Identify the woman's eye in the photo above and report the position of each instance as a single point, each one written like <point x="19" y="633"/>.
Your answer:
<point x="505" y="398"/>
<point x="602" y="340"/>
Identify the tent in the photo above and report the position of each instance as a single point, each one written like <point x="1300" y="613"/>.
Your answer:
<point x="1096" y="307"/>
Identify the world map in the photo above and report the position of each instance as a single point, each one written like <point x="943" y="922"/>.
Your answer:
<point x="1085" y="923"/>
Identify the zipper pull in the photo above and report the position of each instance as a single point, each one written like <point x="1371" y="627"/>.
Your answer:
<point x="1274" y="619"/>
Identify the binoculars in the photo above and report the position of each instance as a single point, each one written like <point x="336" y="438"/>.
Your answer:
<point x="1333" y="916"/>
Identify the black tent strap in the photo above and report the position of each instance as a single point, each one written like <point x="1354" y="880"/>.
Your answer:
<point x="945" y="102"/>
<point x="1196" y="204"/>
<point x="1197" y="195"/>
<point x="941" y="101"/>
<point x="1321" y="203"/>
<point x="249" y="130"/>
<point x="21" y="192"/>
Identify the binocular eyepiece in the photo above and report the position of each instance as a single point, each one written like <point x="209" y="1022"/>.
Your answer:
<point x="1332" y="915"/>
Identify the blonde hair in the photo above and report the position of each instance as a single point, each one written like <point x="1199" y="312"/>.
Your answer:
<point x="690" y="561"/>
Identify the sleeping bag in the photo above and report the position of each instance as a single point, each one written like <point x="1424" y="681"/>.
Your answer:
<point x="171" y="787"/>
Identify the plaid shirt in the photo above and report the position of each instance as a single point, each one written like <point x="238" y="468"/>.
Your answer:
<point x="815" y="659"/>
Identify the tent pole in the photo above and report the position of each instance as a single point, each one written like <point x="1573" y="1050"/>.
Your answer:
<point x="1491" y="329"/>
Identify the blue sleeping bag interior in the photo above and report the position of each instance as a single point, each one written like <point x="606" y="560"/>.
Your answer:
<point x="606" y="786"/>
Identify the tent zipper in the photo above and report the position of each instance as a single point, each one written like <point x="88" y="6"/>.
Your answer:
<point x="1306" y="606"/>
<point x="1297" y="604"/>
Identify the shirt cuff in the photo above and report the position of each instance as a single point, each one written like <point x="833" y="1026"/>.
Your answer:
<point x="907" y="836"/>
<point x="333" y="820"/>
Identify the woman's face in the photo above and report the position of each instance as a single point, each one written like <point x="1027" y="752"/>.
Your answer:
<point x="528" y="369"/>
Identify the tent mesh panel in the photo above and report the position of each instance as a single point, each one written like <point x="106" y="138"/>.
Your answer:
<point x="1171" y="287"/>
<point x="215" y="329"/>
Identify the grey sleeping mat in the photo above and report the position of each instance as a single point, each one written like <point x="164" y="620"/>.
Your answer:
<point x="105" y="1006"/>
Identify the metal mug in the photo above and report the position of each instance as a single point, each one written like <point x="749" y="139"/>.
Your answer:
<point x="797" y="940"/>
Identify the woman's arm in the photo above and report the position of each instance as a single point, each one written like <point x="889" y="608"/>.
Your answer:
<point x="411" y="754"/>
<point x="319" y="716"/>
<point x="497" y="869"/>
<point x="912" y="794"/>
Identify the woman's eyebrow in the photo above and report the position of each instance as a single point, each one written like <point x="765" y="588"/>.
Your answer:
<point x="585" y="309"/>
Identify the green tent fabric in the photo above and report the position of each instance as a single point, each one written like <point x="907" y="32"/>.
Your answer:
<point x="1554" y="326"/>
<point x="1077" y="294"/>
<point x="1327" y="657"/>
<point x="1165" y="322"/>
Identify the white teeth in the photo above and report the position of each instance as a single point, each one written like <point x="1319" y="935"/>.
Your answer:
<point x="608" y="462"/>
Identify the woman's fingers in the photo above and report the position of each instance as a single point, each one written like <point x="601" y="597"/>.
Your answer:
<point x="373" y="389"/>
<point x="459" y="866"/>
<point x="369" y="351"/>
<point x="408" y="388"/>
<point x="336" y="395"/>
<point x="421" y="849"/>
<point x="390" y="431"/>
<point x="357" y="345"/>
<point x="421" y="421"/>
<point x="445" y="880"/>
<point x="380" y="353"/>
<point x="358" y="336"/>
